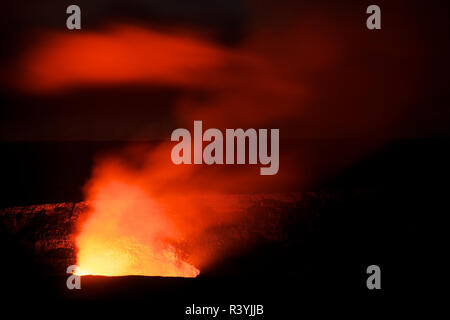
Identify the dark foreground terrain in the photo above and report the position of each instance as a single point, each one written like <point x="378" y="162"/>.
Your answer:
<point x="315" y="259"/>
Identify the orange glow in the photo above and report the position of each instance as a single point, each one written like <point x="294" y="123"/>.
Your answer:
<point x="150" y="217"/>
<point x="157" y="218"/>
<point x="153" y="219"/>
<point x="125" y="235"/>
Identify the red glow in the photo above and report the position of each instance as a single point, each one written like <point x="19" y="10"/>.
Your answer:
<point x="123" y="54"/>
<point x="141" y="221"/>
<point x="153" y="218"/>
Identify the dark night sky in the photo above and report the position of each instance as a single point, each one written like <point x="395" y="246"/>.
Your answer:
<point x="124" y="112"/>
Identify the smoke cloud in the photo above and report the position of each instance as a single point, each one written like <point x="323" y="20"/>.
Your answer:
<point x="310" y="76"/>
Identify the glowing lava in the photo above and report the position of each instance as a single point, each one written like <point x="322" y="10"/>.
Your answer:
<point x="112" y="244"/>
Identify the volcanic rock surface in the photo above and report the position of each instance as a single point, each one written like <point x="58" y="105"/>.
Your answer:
<point x="48" y="231"/>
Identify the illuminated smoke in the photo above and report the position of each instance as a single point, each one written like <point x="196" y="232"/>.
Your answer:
<point x="150" y="217"/>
